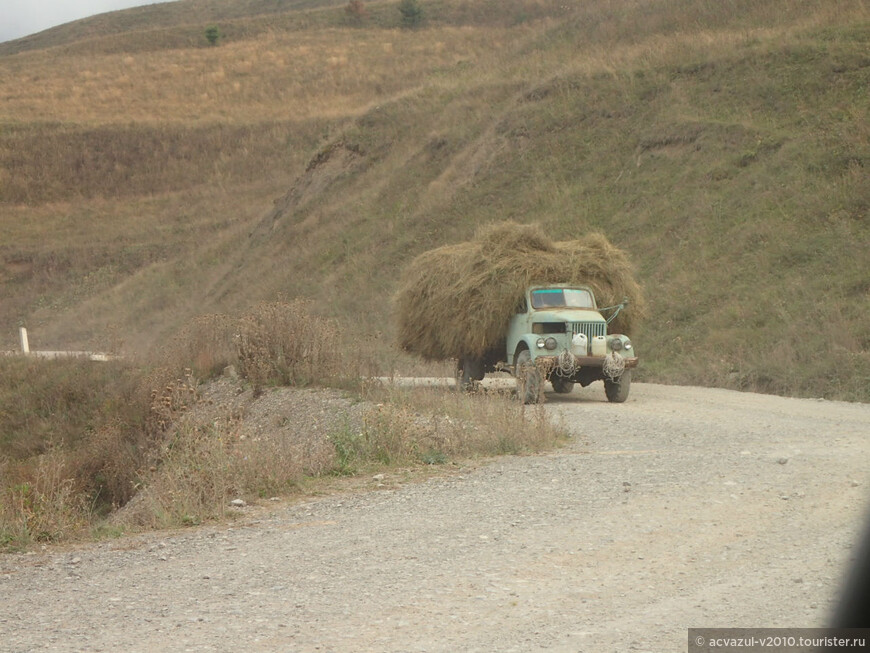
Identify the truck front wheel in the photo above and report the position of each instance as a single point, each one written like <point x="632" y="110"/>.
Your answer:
<point x="617" y="391"/>
<point x="529" y="380"/>
<point x="562" y="385"/>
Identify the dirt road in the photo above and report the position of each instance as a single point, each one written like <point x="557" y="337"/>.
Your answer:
<point x="683" y="507"/>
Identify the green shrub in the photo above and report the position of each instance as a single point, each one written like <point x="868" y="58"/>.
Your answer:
<point x="412" y="13"/>
<point x="212" y="34"/>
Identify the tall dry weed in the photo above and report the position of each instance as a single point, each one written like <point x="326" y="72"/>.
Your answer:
<point x="170" y="398"/>
<point x="199" y="469"/>
<point x="205" y="346"/>
<point x="275" y="343"/>
<point x="288" y="344"/>
<point x="41" y="501"/>
<point x="191" y="480"/>
<point x="430" y="425"/>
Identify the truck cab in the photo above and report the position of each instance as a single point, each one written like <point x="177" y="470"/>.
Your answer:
<point x="560" y="335"/>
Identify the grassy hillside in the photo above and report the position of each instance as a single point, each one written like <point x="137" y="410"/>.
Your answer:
<point x="146" y="177"/>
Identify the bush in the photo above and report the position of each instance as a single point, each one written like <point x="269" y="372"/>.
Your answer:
<point x="212" y="34"/>
<point x="412" y="13"/>
<point x="40" y="501"/>
<point x="286" y="344"/>
<point x="74" y="437"/>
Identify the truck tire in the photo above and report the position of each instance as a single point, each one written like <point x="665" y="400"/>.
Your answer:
<point x="529" y="380"/>
<point x="469" y="372"/>
<point x="562" y="385"/>
<point x="617" y="391"/>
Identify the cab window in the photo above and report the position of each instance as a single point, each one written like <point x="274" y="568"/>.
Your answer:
<point x="562" y="298"/>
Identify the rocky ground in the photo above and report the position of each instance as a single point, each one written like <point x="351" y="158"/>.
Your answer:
<point x="684" y="507"/>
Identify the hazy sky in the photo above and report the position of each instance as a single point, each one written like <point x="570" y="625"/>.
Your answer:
<point x="22" y="17"/>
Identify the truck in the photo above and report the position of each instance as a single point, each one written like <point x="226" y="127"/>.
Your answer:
<point x="558" y="334"/>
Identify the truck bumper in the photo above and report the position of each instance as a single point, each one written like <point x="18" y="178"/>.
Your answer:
<point x="591" y="361"/>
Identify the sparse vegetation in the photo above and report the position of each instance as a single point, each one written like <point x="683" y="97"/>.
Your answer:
<point x="81" y="439"/>
<point x="412" y="425"/>
<point x="431" y="426"/>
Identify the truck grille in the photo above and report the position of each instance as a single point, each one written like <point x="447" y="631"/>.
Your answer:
<point x="591" y="329"/>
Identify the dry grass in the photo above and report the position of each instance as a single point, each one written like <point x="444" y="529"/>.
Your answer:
<point x="321" y="74"/>
<point x="79" y="441"/>
<point x="410" y="426"/>
<point x="198" y="470"/>
<point x="286" y="345"/>
<point x="274" y="343"/>
<point x="42" y="503"/>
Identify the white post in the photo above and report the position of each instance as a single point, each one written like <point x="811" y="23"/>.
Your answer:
<point x="25" y="346"/>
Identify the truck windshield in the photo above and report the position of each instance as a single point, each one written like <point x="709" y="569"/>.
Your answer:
<point x="562" y="298"/>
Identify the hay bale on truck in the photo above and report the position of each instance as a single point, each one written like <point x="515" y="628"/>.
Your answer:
<point x="486" y="301"/>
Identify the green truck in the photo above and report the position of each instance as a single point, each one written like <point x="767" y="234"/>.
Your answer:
<point x="559" y="335"/>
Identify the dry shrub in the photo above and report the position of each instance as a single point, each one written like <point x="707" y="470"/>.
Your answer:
<point x="205" y="346"/>
<point x="200" y="468"/>
<point x="170" y="398"/>
<point x="41" y="501"/>
<point x="429" y="425"/>
<point x="191" y="480"/>
<point x="287" y="344"/>
<point x="275" y="343"/>
<point x="457" y="300"/>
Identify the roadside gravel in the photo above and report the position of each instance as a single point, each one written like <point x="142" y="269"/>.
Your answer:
<point x="684" y="507"/>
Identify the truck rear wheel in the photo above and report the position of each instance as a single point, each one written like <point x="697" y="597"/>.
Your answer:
<point x="617" y="391"/>
<point x="529" y="380"/>
<point x="469" y="372"/>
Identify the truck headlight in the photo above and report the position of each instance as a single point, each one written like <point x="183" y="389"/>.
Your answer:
<point x="550" y="343"/>
<point x="616" y="344"/>
<point x="540" y="343"/>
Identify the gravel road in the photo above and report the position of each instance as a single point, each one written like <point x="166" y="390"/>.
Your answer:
<point x="684" y="507"/>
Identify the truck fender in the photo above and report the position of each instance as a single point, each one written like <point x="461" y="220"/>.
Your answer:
<point x="526" y="341"/>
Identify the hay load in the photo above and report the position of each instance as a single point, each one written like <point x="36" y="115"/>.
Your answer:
<point x="457" y="300"/>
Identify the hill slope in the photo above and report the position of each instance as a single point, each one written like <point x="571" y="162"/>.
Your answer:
<point x="723" y="145"/>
